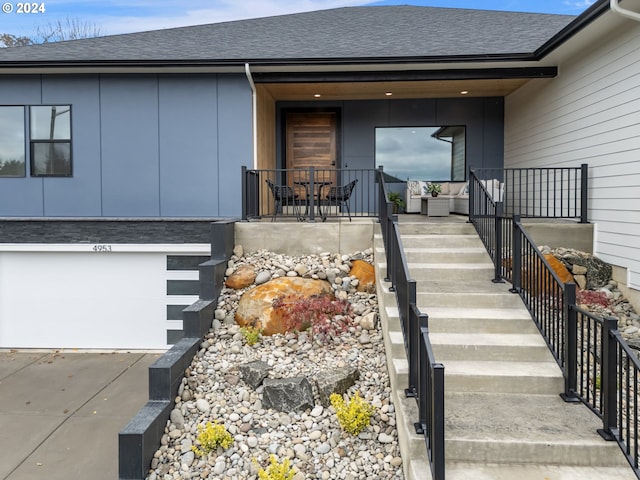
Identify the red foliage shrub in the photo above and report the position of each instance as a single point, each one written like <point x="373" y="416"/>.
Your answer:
<point x="591" y="297"/>
<point x="323" y="314"/>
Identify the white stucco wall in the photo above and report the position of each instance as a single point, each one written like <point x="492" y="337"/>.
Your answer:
<point x="590" y="114"/>
<point x="72" y="296"/>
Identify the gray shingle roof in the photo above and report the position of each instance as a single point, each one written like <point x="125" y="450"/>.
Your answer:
<point x="343" y="33"/>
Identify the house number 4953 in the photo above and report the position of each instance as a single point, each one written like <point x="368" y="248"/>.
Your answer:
<point x="102" y="248"/>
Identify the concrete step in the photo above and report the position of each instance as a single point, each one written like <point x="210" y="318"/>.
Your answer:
<point x="461" y="471"/>
<point x="446" y="255"/>
<point x="417" y="228"/>
<point x="481" y="293"/>
<point x="492" y="428"/>
<point x="479" y="347"/>
<point x="440" y="241"/>
<point x="505" y="347"/>
<point x="450" y="272"/>
<point x="465" y="299"/>
<point x="503" y="377"/>
<point x="481" y="320"/>
<point x="419" y="469"/>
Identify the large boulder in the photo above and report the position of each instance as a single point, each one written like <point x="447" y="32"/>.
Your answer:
<point x="563" y="274"/>
<point x="365" y="273"/>
<point x="533" y="267"/>
<point x="335" y="381"/>
<point x="255" y="307"/>
<point x="287" y="394"/>
<point x="598" y="273"/>
<point x="241" y="278"/>
<point x="253" y="373"/>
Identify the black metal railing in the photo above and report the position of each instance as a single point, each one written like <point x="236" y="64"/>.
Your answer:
<point x="426" y="376"/>
<point x="547" y="192"/>
<point x="309" y="194"/>
<point x="606" y="379"/>
<point x="544" y="294"/>
<point x="599" y="368"/>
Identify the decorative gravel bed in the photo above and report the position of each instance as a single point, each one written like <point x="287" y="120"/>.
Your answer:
<point x="314" y="442"/>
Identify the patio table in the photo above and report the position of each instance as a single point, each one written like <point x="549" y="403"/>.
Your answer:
<point x="320" y="185"/>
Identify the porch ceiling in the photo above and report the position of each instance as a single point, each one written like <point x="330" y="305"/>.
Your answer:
<point x="378" y="90"/>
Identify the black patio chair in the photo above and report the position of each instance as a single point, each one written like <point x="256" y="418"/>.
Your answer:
<point x="284" y="195"/>
<point x="339" y="196"/>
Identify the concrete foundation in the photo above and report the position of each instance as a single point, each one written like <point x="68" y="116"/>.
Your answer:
<point x="295" y="238"/>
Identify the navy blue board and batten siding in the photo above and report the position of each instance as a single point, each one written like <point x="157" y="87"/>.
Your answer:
<point x="142" y="146"/>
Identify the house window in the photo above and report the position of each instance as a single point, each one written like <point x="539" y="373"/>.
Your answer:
<point x="50" y="136"/>
<point x="12" y="146"/>
<point x="422" y="153"/>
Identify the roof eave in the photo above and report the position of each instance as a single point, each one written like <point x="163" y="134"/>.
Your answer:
<point x="261" y="64"/>
<point x="579" y="23"/>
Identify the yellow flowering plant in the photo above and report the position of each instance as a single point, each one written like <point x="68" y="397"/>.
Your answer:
<point x="353" y="415"/>
<point x="251" y="334"/>
<point x="276" y="470"/>
<point x="210" y="437"/>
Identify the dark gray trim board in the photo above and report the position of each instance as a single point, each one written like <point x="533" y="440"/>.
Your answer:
<point x="108" y="230"/>
<point x="140" y="438"/>
<point x="430" y="75"/>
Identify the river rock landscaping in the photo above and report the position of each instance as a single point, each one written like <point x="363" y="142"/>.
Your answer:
<point x="604" y="298"/>
<point x="272" y="396"/>
<point x="227" y="381"/>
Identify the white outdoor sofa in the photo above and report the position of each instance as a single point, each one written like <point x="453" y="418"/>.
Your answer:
<point x="456" y="192"/>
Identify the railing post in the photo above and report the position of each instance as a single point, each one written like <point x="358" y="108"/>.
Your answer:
<point x="609" y="382"/>
<point x="416" y="321"/>
<point x="386" y="232"/>
<point x="392" y="259"/>
<point x="437" y="427"/>
<point x="472" y="196"/>
<point x="311" y="193"/>
<point x="570" y="343"/>
<point x="422" y="390"/>
<point x="584" y="184"/>
<point x="244" y="192"/>
<point x="516" y="257"/>
<point x="497" y="278"/>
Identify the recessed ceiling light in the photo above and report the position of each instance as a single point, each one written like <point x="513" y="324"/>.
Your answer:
<point x="317" y="95"/>
<point x="388" y="94"/>
<point x="464" y="92"/>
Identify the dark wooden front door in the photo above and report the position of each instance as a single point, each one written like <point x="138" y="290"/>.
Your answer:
<point x="311" y="142"/>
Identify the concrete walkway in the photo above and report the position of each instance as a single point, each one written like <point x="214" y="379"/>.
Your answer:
<point x="60" y="412"/>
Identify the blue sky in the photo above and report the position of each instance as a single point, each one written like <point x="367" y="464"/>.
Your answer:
<point x="125" y="16"/>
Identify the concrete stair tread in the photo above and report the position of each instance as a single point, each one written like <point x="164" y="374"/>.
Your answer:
<point x="460" y="471"/>
<point x="488" y="339"/>
<point x="480" y="285"/>
<point x="443" y="236"/>
<point x="502" y="369"/>
<point x="479" y="313"/>
<point x="514" y="428"/>
<point x="517" y="417"/>
<point x="451" y="266"/>
<point x="410" y="250"/>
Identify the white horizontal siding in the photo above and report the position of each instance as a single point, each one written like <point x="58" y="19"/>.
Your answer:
<point x="590" y="114"/>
